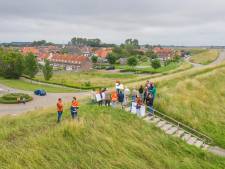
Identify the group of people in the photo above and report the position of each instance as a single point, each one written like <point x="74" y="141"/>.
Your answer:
<point x="21" y="100"/>
<point x="73" y="109"/>
<point x="144" y="95"/>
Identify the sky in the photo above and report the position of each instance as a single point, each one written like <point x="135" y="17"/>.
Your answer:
<point x="165" y="22"/>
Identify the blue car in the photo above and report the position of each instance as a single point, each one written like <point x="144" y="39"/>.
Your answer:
<point x="40" y="92"/>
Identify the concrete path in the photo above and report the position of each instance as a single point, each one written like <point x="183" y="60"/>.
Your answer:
<point x="217" y="61"/>
<point x="39" y="102"/>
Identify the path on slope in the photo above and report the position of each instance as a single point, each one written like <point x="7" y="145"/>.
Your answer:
<point x="217" y="61"/>
<point x="38" y="102"/>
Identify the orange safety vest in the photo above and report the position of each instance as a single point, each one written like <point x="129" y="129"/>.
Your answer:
<point x="59" y="106"/>
<point x="75" y="103"/>
<point x="114" y="96"/>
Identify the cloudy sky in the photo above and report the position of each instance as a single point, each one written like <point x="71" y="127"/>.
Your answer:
<point x="178" y="22"/>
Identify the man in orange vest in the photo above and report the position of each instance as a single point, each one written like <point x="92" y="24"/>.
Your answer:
<point x="59" y="109"/>
<point x="114" y="99"/>
<point x="74" y="108"/>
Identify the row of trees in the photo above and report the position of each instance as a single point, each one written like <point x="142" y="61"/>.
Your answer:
<point x="13" y="65"/>
<point x="84" y="41"/>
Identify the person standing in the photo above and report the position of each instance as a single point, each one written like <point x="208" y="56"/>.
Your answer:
<point x="121" y="98"/>
<point x="74" y="108"/>
<point x="139" y="104"/>
<point x="126" y="95"/>
<point x="101" y="99"/>
<point x="141" y="92"/>
<point x="59" y="109"/>
<point x="117" y="86"/>
<point x="114" y="97"/>
<point x="152" y="90"/>
<point x="145" y="94"/>
<point x="134" y="95"/>
<point x="149" y="103"/>
<point x="107" y="98"/>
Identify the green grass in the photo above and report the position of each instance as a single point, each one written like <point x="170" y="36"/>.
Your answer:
<point x="96" y="79"/>
<point x="11" y="98"/>
<point x="102" y="139"/>
<point x="196" y="98"/>
<point x="27" y="86"/>
<point x="205" y="57"/>
<point x="149" y="69"/>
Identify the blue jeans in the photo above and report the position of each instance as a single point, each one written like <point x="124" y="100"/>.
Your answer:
<point x="73" y="112"/>
<point x="133" y="98"/>
<point x="59" y="116"/>
<point x="151" y="110"/>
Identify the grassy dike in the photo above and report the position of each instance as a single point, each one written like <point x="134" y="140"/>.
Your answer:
<point x="103" y="138"/>
<point x="197" y="100"/>
<point x="205" y="57"/>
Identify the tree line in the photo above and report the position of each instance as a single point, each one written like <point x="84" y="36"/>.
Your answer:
<point x="13" y="65"/>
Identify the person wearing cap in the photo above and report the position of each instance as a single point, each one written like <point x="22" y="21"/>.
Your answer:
<point x="74" y="108"/>
<point x="59" y="109"/>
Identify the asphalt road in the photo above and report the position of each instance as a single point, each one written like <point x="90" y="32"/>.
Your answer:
<point x="38" y="102"/>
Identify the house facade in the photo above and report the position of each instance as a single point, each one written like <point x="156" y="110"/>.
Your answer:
<point x="71" y="63"/>
<point x="163" y="53"/>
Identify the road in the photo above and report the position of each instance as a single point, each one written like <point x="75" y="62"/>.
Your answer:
<point x="217" y="61"/>
<point x="38" y="102"/>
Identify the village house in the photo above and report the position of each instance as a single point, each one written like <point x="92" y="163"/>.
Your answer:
<point x="164" y="53"/>
<point x="71" y="62"/>
<point x="102" y="53"/>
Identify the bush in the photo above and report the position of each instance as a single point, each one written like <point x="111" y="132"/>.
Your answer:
<point x="155" y="63"/>
<point x="12" y="98"/>
<point x="132" y="61"/>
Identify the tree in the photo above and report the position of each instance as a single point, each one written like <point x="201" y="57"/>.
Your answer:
<point x="111" y="58"/>
<point x="11" y="64"/>
<point x="155" y="63"/>
<point x="132" y="61"/>
<point x="151" y="54"/>
<point x="47" y="70"/>
<point x="30" y="65"/>
<point x="132" y="42"/>
<point x="94" y="59"/>
<point x="84" y="41"/>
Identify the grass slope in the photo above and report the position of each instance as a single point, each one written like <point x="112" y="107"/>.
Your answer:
<point x="79" y="79"/>
<point x="22" y="85"/>
<point x="103" y="138"/>
<point x="205" y="57"/>
<point x="197" y="98"/>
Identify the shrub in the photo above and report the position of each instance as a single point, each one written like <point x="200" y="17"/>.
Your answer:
<point x="155" y="63"/>
<point x="132" y="61"/>
<point x="12" y="98"/>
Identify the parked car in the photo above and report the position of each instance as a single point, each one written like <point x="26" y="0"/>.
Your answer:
<point x="40" y="92"/>
<point x="110" y="68"/>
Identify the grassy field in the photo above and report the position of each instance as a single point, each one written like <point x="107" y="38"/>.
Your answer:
<point x="27" y="86"/>
<point x="149" y="69"/>
<point x="205" y="57"/>
<point x="90" y="79"/>
<point x="103" y="138"/>
<point x="96" y="79"/>
<point x="196" y="98"/>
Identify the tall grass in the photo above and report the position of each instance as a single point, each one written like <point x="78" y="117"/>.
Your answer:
<point x="205" y="57"/>
<point x="197" y="99"/>
<point x="102" y="138"/>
